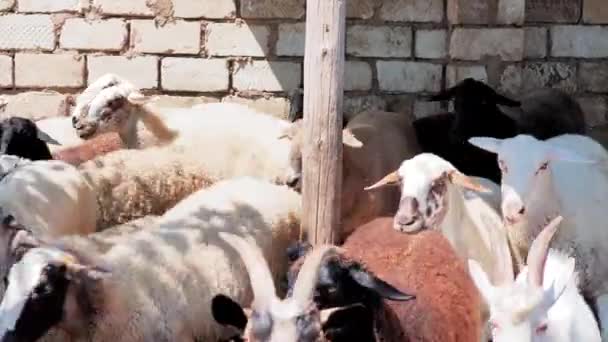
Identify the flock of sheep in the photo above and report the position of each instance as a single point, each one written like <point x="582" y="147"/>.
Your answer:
<point x="132" y="222"/>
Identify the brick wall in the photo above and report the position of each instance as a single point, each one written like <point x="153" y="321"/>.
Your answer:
<point x="250" y="51"/>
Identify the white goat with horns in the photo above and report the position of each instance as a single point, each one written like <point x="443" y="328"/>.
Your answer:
<point x="543" y="303"/>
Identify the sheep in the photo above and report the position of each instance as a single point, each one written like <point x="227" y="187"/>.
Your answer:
<point x="375" y="143"/>
<point x="129" y="184"/>
<point x="447" y="305"/>
<point x="437" y="196"/>
<point x="476" y="113"/>
<point x="543" y="303"/>
<point x="152" y="285"/>
<point x="568" y="175"/>
<point x="60" y="129"/>
<point x="547" y="113"/>
<point x="296" y="318"/>
<point x="89" y="149"/>
<point x="51" y="196"/>
<point x="21" y="137"/>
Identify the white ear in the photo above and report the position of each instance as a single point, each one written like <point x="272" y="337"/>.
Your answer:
<point x="349" y="139"/>
<point x="563" y="154"/>
<point x="138" y="98"/>
<point x="559" y="284"/>
<point x="488" y="144"/>
<point x="481" y="280"/>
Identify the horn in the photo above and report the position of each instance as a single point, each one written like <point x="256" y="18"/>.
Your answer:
<point x="255" y="263"/>
<point x="465" y="181"/>
<point x="390" y="179"/>
<point x="537" y="255"/>
<point x="326" y="313"/>
<point x="305" y="285"/>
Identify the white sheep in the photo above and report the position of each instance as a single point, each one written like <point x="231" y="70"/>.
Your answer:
<point x="129" y="184"/>
<point x="50" y="196"/>
<point x="155" y="284"/>
<point x="543" y="303"/>
<point x="59" y="128"/>
<point x="565" y="175"/>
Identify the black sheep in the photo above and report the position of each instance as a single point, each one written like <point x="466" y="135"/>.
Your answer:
<point x="21" y="137"/>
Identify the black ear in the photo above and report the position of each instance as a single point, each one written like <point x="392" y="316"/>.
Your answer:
<point x="505" y="101"/>
<point x="228" y="312"/>
<point x="297" y="250"/>
<point x="378" y="286"/>
<point x="444" y="95"/>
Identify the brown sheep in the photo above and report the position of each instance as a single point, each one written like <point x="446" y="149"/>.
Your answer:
<point x="375" y="143"/>
<point x="447" y="306"/>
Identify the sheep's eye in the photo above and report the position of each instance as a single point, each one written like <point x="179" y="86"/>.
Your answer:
<point x="543" y="167"/>
<point x="541" y="329"/>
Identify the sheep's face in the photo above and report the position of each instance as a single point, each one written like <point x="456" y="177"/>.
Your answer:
<point x="295" y="133"/>
<point x="526" y="164"/>
<point x="103" y="107"/>
<point x="37" y="292"/>
<point x="424" y="181"/>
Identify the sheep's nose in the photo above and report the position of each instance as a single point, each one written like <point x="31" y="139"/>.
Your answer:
<point x="74" y="121"/>
<point x="292" y="181"/>
<point x="408" y="216"/>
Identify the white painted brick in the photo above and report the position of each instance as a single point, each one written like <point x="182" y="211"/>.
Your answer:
<point x="34" y="105"/>
<point x="455" y="74"/>
<point x="81" y="34"/>
<point x="270" y="9"/>
<point x="48" y="6"/>
<point x="412" y="10"/>
<point x="217" y="9"/>
<point x="227" y="39"/>
<point x="128" y="7"/>
<point x="473" y="43"/>
<point x="141" y="70"/>
<point x="579" y="41"/>
<point x="536" y="42"/>
<point x="6" y="71"/>
<point x="48" y="70"/>
<point x="169" y="101"/>
<point x="431" y="43"/>
<point x="411" y="77"/>
<point x="355" y="104"/>
<point x="194" y="74"/>
<point x="357" y="76"/>
<point x="174" y="37"/>
<point x="18" y="31"/>
<point x="511" y="12"/>
<point x="267" y="76"/>
<point x="6" y="5"/>
<point x="360" y="9"/>
<point x="276" y="106"/>
<point x="510" y="80"/>
<point x="292" y="38"/>
<point x="425" y="108"/>
<point x="378" y="41"/>
<point x="550" y="75"/>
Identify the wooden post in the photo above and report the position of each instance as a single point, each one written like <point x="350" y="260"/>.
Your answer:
<point x="323" y="93"/>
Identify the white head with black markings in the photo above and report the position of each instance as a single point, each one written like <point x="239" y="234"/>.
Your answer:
<point x="39" y="284"/>
<point x="424" y="181"/>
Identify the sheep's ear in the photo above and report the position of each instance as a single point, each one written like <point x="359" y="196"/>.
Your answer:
<point x="349" y="139"/>
<point x="226" y="311"/>
<point x="559" y="284"/>
<point x="137" y="98"/>
<point x="80" y="272"/>
<point x="481" y="280"/>
<point x="45" y="137"/>
<point x="486" y="143"/>
<point x="466" y="182"/>
<point x="379" y="286"/>
<point x="392" y="178"/>
<point x="562" y="154"/>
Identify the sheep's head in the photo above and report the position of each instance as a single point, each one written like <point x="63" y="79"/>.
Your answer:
<point x="39" y="289"/>
<point x="527" y="186"/>
<point x="519" y="309"/>
<point x="107" y="105"/>
<point x="424" y="182"/>
<point x="20" y="133"/>
<point x="295" y="133"/>
<point x="470" y="96"/>
<point x="292" y="319"/>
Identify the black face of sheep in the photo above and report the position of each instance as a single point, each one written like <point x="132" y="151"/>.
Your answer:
<point x="342" y="282"/>
<point x="21" y="137"/>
